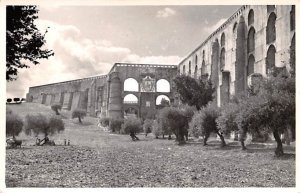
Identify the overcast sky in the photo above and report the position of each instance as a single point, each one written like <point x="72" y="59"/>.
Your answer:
<point x="88" y="40"/>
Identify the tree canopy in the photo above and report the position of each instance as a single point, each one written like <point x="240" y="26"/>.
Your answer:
<point x="194" y="92"/>
<point x="24" y="41"/>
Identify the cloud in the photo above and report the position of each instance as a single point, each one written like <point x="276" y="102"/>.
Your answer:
<point x="75" y="57"/>
<point x="210" y="29"/>
<point x="166" y="12"/>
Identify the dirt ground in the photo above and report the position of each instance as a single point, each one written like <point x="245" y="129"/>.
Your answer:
<point x="97" y="158"/>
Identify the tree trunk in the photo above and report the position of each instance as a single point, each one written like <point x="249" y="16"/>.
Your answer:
<point x="243" y="136"/>
<point x="56" y="111"/>
<point x="79" y="119"/>
<point x="205" y="139"/>
<point x="236" y="136"/>
<point x="222" y="139"/>
<point x="279" y="149"/>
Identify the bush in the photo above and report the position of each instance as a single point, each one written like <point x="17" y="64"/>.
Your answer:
<point x="156" y="129"/>
<point x="79" y="113"/>
<point x="271" y="110"/>
<point x="147" y="126"/>
<point x="16" y="99"/>
<point x="226" y="122"/>
<point x="104" y="121"/>
<point x="115" y="125"/>
<point x="40" y="124"/>
<point x="56" y="108"/>
<point x="14" y="124"/>
<point x="174" y="120"/>
<point x="9" y="100"/>
<point x="131" y="125"/>
<point x="204" y="123"/>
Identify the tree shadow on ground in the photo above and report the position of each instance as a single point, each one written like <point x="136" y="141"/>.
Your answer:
<point x="84" y="123"/>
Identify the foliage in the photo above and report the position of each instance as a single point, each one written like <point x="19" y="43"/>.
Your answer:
<point x="156" y="129"/>
<point x="163" y="122"/>
<point x="204" y="122"/>
<point x="115" y="124"/>
<point x="131" y="125"/>
<point x="194" y="92"/>
<point x="174" y="120"/>
<point x="147" y="126"/>
<point x="16" y="99"/>
<point x="14" y="123"/>
<point x="24" y="41"/>
<point x="104" y="121"/>
<point x="40" y="124"/>
<point x="164" y="102"/>
<point x="56" y="108"/>
<point x="79" y="113"/>
<point x="272" y="109"/>
<point x="226" y="121"/>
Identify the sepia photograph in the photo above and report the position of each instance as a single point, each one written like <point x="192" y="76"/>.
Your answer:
<point x="149" y="96"/>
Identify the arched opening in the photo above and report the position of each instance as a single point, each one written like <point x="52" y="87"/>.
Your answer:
<point x="130" y="99"/>
<point x="251" y="17"/>
<point x="271" y="29"/>
<point x="203" y="70"/>
<point x="183" y="70"/>
<point x="203" y="55"/>
<point x="222" y="40"/>
<point x="130" y="84"/>
<point x="190" y="66"/>
<point x="196" y="59"/>
<point x="222" y="59"/>
<point x="250" y="67"/>
<point x="225" y="88"/>
<point x="241" y="59"/>
<point x="162" y="85"/>
<point x="162" y="100"/>
<point x="270" y="8"/>
<point x="196" y="72"/>
<point x="292" y="18"/>
<point x="270" y="61"/>
<point x="251" y="40"/>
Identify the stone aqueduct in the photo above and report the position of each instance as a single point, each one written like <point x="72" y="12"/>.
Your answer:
<point x="256" y="39"/>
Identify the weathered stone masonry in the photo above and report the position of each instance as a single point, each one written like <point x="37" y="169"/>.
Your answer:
<point x="256" y="39"/>
<point x="105" y="94"/>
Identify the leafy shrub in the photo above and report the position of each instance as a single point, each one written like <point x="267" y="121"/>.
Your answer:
<point x="9" y="100"/>
<point x="226" y="121"/>
<point x="194" y="92"/>
<point x="148" y="126"/>
<point x="104" y="121"/>
<point x="16" y="99"/>
<point x="79" y="113"/>
<point x="156" y="129"/>
<point x="271" y="110"/>
<point x="56" y="108"/>
<point x="204" y="123"/>
<point x="131" y="125"/>
<point x="115" y="124"/>
<point x="14" y="124"/>
<point x="174" y="120"/>
<point x="40" y="124"/>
